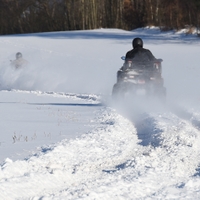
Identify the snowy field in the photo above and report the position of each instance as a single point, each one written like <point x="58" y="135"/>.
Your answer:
<point x="61" y="136"/>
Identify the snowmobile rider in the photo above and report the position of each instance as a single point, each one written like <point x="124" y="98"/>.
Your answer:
<point x="138" y="53"/>
<point x="19" y="62"/>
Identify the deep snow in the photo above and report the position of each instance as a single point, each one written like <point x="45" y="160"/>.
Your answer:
<point x="61" y="136"/>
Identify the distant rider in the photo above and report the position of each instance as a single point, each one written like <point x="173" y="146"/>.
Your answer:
<point x="138" y="53"/>
<point x="19" y="62"/>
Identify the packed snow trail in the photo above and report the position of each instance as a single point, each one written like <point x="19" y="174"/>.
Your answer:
<point x="69" y="163"/>
<point x="125" y="157"/>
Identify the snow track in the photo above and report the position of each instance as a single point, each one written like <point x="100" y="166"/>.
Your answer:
<point x="126" y="154"/>
<point x="147" y="131"/>
<point x="70" y="163"/>
<point x="168" y="154"/>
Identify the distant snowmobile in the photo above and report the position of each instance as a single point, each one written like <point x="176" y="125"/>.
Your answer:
<point x="139" y="79"/>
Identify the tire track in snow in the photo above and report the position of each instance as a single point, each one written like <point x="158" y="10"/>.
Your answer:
<point x="138" y="113"/>
<point x="147" y="131"/>
<point x="70" y="164"/>
<point x="82" y="168"/>
<point x="169" y="148"/>
<point x="171" y="163"/>
<point x="179" y="150"/>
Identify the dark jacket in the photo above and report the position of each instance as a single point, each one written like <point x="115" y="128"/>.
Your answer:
<point x="140" y="54"/>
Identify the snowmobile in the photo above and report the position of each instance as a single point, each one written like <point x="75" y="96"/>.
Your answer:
<point x="137" y="78"/>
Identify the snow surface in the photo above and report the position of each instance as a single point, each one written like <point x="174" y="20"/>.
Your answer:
<point x="61" y="136"/>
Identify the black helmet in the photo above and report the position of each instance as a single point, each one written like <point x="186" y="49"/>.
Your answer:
<point x="137" y="42"/>
<point x="18" y="55"/>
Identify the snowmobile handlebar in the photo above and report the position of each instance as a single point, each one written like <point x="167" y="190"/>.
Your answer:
<point x="159" y="60"/>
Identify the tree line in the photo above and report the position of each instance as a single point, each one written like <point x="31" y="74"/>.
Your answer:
<point x="29" y="16"/>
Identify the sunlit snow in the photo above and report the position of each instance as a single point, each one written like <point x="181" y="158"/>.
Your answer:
<point x="61" y="136"/>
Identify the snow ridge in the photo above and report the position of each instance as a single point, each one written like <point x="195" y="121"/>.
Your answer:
<point x="66" y="164"/>
<point x="125" y="155"/>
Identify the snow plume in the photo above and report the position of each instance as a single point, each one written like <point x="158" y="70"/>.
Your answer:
<point x="134" y="106"/>
<point x="11" y="78"/>
<point x="42" y="73"/>
<point x="58" y="64"/>
<point x="47" y="74"/>
<point x="137" y="109"/>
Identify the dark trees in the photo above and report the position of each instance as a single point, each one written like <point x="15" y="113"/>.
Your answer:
<point x="25" y="16"/>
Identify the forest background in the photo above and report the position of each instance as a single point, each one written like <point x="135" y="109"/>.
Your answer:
<point x="29" y="16"/>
